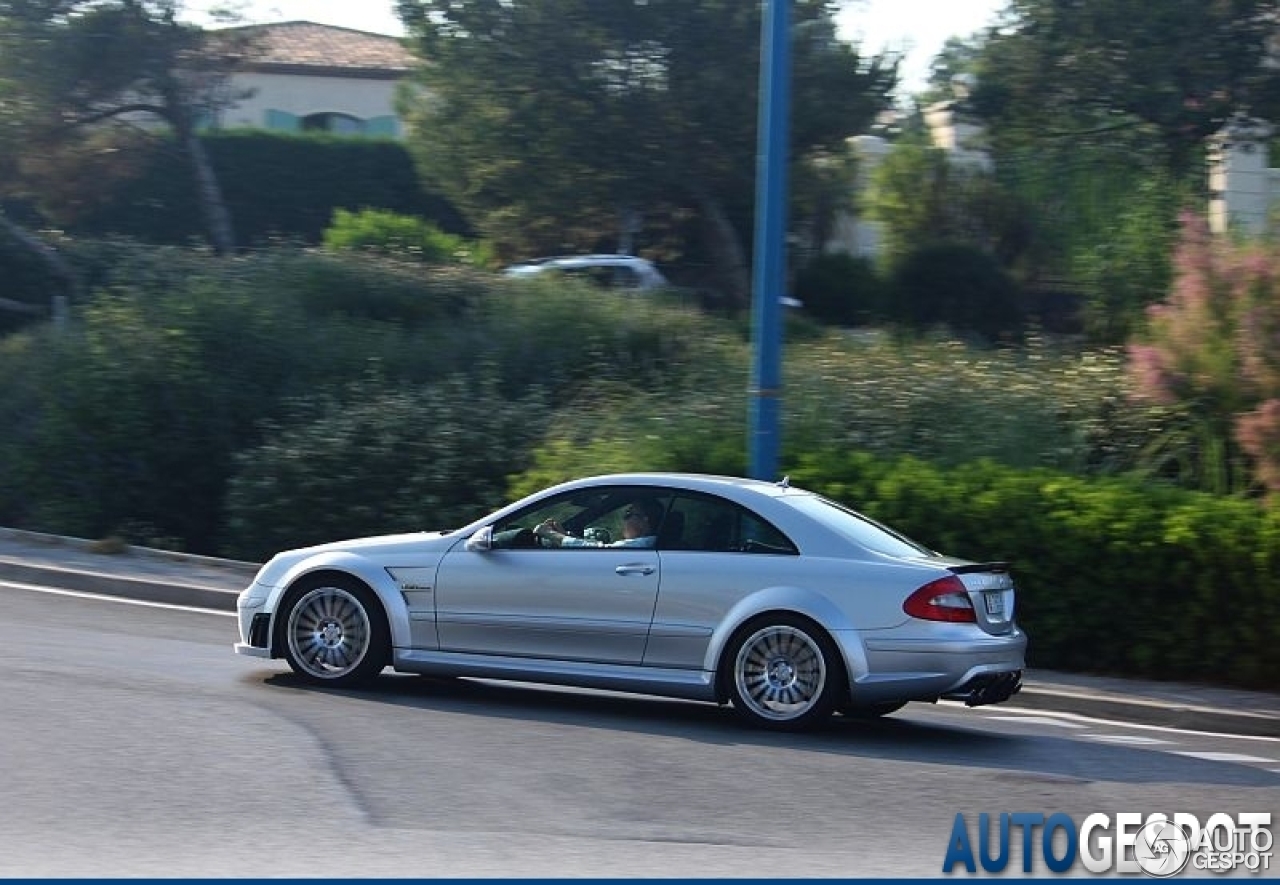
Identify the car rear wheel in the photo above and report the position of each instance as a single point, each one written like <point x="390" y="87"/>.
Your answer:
<point x="784" y="673"/>
<point x="335" y="632"/>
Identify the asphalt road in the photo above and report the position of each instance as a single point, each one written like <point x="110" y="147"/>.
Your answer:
<point x="136" y="744"/>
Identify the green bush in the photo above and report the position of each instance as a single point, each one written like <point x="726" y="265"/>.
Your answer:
<point x="1131" y="267"/>
<point x="402" y="236"/>
<point x="956" y="286"/>
<point x="1114" y="575"/>
<point x="842" y="290"/>
<point x="131" y="415"/>
<point x="377" y="461"/>
<point x="276" y="185"/>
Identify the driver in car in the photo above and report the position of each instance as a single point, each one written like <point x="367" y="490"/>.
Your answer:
<point x="639" y="528"/>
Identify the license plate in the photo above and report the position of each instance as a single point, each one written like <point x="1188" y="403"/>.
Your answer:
<point x="995" y="603"/>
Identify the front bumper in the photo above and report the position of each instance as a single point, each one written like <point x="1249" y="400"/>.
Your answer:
<point x="254" y="623"/>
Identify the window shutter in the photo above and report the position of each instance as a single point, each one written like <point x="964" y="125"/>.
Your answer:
<point x="383" y="126"/>
<point x="282" y="120"/>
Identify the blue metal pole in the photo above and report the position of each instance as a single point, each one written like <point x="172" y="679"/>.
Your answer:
<point x="769" y="258"/>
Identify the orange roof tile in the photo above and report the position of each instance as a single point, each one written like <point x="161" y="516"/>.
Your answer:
<point x="301" y="46"/>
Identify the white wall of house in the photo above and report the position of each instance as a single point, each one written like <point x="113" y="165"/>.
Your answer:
<point x="1243" y="189"/>
<point x="281" y="101"/>
<point x="854" y="234"/>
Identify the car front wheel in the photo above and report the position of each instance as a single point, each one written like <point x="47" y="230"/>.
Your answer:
<point x="784" y="673"/>
<point x="335" y="632"/>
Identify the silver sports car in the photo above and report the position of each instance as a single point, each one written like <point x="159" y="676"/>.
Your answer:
<point x="786" y="604"/>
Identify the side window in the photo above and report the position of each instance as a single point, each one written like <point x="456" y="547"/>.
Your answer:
<point x="712" y="524"/>
<point x="593" y="518"/>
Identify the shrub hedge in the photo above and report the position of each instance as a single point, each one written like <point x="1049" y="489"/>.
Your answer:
<point x="1114" y="575"/>
<point x="276" y="185"/>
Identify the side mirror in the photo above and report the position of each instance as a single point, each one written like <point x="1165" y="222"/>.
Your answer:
<point x="481" y="541"/>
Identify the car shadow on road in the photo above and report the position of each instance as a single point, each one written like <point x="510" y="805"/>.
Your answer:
<point x="919" y="733"/>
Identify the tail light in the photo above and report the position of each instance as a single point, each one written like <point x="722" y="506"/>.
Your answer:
<point x="945" y="599"/>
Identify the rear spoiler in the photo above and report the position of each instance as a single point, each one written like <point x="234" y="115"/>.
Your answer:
<point x="999" y="568"/>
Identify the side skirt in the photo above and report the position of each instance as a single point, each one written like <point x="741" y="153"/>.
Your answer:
<point x="695" y="685"/>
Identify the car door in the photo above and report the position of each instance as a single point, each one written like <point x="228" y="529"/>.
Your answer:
<point x="572" y="603"/>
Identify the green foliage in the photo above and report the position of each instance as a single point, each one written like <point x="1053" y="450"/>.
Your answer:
<point x="1113" y="575"/>
<point x="1129" y="269"/>
<point x="865" y="392"/>
<point x="136" y="409"/>
<point x="401" y="236"/>
<point x="841" y="289"/>
<point x="307" y="175"/>
<point x="689" y="429"/>
<point x="956" y="286"/>
<point x="570" y="338"/>
<point x="1099" y="72"/>
<point x="377" y="460"/>
<point x="947" y="402"/>
<point x="910" y="197"/>
<point x="529" y="114"/>
<point x="921" y="196"/>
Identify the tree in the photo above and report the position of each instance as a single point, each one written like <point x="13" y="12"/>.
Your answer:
<point x="547" y="122"/>
<point x="1170" y="72"/>
<point x="78" y="77"/>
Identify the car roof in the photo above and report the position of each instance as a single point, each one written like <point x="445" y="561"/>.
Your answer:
<point x="696" y="481"/>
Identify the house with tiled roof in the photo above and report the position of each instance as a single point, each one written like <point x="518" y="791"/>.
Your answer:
<point x="302" y="76"/>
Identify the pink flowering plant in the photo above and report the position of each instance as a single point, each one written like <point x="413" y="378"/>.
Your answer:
<point x="1211" y="357"/>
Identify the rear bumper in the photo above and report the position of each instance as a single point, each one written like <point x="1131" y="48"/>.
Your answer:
<point x="974" y="669"/>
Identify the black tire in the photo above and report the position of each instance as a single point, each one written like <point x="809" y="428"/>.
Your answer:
<point x="871" y="711"/>
<point x="334" y="631"/>
<point x="783" y="672"/>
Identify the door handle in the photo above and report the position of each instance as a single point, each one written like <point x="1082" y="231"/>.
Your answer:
<point x="634" y="569"/>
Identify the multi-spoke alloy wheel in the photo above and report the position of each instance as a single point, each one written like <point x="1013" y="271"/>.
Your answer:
<point x="334" y="634"/>
<point x="782" y="675"/>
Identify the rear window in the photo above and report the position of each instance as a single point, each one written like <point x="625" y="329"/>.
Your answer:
<point x="857" y="528"/>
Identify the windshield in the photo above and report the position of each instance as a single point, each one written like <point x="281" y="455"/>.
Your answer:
<point x="857" y="528"/>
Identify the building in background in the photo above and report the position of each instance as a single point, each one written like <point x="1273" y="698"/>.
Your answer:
<point x="301" y="76"/>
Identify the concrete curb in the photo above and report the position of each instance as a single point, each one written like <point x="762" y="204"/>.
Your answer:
<point x="87" y="546"/>
<point x="131" y="587"/>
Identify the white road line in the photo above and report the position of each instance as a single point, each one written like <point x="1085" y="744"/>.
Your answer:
<point x="1093" y="720"/>
<point x="1125" y="739"/>
<point x="36" y="588"/>
<point x="1038" y="720"/>
<point x="1210" y="756"/>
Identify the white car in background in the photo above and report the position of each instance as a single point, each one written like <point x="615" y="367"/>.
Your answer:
<point x="623" y="273"/>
